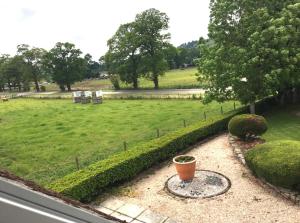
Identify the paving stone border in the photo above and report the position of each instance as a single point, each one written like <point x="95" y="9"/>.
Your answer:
<point x="130" y="212"/>
<point x="239" y="154"/>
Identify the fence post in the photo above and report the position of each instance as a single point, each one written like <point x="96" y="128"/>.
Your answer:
<point x="157" y="133"/>
<point x="222" y="112"/>
<point x="234" y="106"/>
<point x="77" y="162"/>
<point x="125" y="145"/>
<point x="204" y="115"/>
<point x="184" y="123"/>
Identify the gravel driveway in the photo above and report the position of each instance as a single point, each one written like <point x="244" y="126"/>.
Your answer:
<point x="245" y="202"/>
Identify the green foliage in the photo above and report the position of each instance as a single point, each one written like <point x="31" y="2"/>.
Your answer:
<point x="247" y="41"/>
<point x="247" y="125"/>
<point x="33" y="59"/>
<point x="65" y="65"/>
<point x="43" y="88"/>
<point x="123" y="57"/>
<point x="115" y="80"/>
<point x="278" y="162"/>
<point x="150" y="26"/>
<point x="41" y="138"/>
<point x="85" y="184"/>
<point x="93" y="68"/>
<point x="173" y="79"/>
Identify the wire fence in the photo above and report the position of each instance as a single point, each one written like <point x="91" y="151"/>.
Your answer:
<point x="77" y="161"/>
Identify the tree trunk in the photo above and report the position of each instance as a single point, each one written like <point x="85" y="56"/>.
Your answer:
<point x="62" y="87"/>
<point x="252" y="107"/>
<point x="155" y="81"/>
<point x="37" y="87"/>
<point x="135" y="83"/>
<point x="69" y="87"/>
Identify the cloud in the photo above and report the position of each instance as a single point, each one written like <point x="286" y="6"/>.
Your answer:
<point x="89" y="24"/>
<point x="27" y="13"/>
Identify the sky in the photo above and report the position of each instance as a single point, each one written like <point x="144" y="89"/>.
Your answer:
<point x="90" y="23"/>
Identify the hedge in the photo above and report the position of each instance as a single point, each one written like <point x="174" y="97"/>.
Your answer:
<point x="246" y="125"/>
<point x="278" y="162"/>
<point x="85" y="184"/>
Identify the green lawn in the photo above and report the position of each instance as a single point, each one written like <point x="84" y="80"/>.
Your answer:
<point x="172" y="79"/>
<point x="40" y="139"/>
<point x="284" y="124"/>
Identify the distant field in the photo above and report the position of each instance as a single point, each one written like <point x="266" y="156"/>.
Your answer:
<point x="40" y="139"/>
<point x="284" y="124"/>
<point x="172" y="79"/>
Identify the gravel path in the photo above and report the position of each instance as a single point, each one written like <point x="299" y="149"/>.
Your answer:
<point x="246" y="201"/>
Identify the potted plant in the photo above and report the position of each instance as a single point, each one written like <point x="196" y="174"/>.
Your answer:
<point x="185" y="166"/>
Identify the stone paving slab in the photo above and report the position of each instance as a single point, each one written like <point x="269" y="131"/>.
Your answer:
<point x="105" y="210"/>
<point x="151" y="217"/>
<point x="131" y="210"/>
<point x="122" y="217"/>
<point x="112" y="203"/>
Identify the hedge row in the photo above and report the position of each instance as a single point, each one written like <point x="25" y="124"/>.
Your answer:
<point x="85" y="184"/>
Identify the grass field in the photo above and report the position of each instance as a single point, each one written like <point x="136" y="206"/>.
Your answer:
<point x="284" y="124"/>
<point x="40" y="139"/>
<point x="172" y="79"/>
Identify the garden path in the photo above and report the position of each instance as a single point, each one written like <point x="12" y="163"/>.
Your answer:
<point x="246" y="201"/>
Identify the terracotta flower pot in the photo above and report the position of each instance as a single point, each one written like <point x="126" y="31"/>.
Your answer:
<point x="185" y="166"/>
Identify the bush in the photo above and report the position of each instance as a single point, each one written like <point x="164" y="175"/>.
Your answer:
<point x="85" y="184"/>
<point x="247" y="125"/>
<point x="43" y="88"/>
<point x="278" y="162"/>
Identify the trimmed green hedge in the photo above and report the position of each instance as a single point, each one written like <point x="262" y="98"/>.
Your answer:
<point x="278" y="162"/>
<point x="83" y="185"/>
<point x="247" y="125"/>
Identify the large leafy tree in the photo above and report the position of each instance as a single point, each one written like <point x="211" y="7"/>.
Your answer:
<point x="278" y="44"/>
<point x="93" y="67"/>
<point x="65" y="64"/>
<point x="3" y="77"/>
<point x="33" y="60"/>
<point x="151" y="26"/>
<point x="232" y="66"/>
<point x="123" y="57"/>
<point x="14" y="73"/>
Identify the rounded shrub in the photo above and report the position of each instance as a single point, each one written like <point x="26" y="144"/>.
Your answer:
<point x="278" y="162"/>
<point x="246" y="125"/>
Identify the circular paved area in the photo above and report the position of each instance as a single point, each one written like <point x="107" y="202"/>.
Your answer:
<point x="205" y="184"/>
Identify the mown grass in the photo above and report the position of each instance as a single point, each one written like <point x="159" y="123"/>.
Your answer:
<point x="284" y="124"/>
<point x="40" y="139"/>
<point x="172" y="79"/>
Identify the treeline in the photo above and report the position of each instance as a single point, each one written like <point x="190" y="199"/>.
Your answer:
<point x="141" y="48"/>
<point x="255" y="51"/>
<point x="63" y="64"/>
<point x="138" y="49"/>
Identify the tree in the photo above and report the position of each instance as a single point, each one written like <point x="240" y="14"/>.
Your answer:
<point x="232" y="66"/>
<point x="15" y="73"/>
<point x="188" y="53"/>
<point x="65" y="65"/>
<point x="123" y="57"/>
<point x="3" y="79"/>
<point x="33" y="59"/>
<point x="93" y="67"/>
<point x="150" y="26"/>
<point x="280" y="39"/>
<point x="171" y="55"/>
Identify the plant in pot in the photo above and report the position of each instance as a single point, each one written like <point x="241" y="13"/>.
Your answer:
<point x="185" y="166"/>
